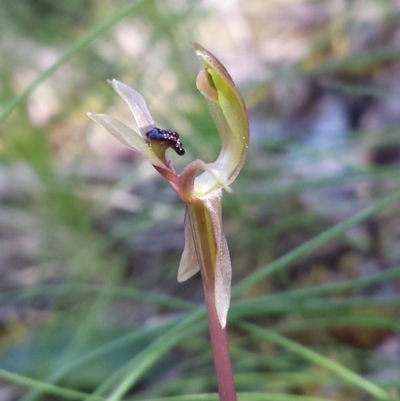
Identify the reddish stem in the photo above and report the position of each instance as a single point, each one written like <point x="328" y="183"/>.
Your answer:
<point x="206" y="249"/>
<point x="220" y="349"/>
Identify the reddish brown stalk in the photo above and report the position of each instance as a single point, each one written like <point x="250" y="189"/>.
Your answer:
<point x="220" y="349"/>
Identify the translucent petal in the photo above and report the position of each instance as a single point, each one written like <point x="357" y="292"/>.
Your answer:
<point x="223" y="281"/>
<point x="128" y="137"/>
<point x="137" y="105"/>
<point x="215" y="176"/>
<point x="189" y="189"/>
<point x="223" y="265"/>
<point x="189" y="265"/>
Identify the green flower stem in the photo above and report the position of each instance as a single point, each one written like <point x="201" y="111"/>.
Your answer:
<point x="206" y="250"/>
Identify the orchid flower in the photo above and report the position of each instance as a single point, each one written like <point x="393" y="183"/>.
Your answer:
<point x="206" y="248"/>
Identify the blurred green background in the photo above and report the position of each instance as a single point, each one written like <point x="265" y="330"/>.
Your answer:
<point x="91" y="236"/>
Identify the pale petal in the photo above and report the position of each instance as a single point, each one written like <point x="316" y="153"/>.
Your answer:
<point x="189" y="265"/>
<point x="223" y="265"/>
<point x="137" y="105"/>
<point x="189" y="189"/>
<point x="223" y="281"/>
<point x="215" y="176"/>
<point x="128" y="137"/>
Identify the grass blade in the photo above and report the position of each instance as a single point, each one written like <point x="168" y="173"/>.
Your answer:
<point x="314" y="357"/>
